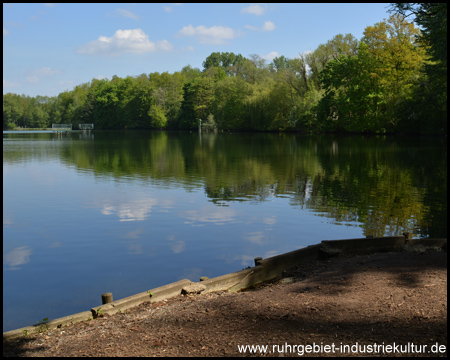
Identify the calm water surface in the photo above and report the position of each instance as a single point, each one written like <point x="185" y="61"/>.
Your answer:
<point x="124" y="212"/>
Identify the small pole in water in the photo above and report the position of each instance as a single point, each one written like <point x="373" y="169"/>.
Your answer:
<point x="107" y="298"/>
<point x="199" y="125"/>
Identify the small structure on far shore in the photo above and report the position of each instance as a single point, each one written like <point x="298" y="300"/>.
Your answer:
<point x="86" y="126"/>
<point x="62" y="128"/>
<point x="207" y="126"/>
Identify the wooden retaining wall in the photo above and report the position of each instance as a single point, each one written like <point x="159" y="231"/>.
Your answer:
<point x="264" y="270"/>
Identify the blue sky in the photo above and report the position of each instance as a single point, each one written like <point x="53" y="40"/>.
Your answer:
<point x="51" y="48"/>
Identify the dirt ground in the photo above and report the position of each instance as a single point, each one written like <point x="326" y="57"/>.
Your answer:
<point x="383" y="300"/>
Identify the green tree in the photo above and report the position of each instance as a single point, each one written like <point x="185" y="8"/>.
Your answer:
<point x="12" y="111"/>
<point x="167" y="91"/>
<point x="228" y="105"/>
<point x="65" y="104"/>
<point x="432" y="17"/>
<point x="125" y="111"/>
<point x="198" y="96"/>
<point x="393" y="44"/>
<point x="105" y="106"/>
<point x="225" y="60"/>
<point x="427" y="110"/>
<point x="141" y="102"/>
<point x="353" y="96"/>
<point x="296" y="76"/>
<point x="157" y="116"/>
<point x="363" y="91"/>
<point x="279" y="63"/>
<point x="190" y="73"/>
<point x="340" y="45"/>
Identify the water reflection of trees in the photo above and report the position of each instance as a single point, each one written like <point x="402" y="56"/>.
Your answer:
<point x="389" y="185"/>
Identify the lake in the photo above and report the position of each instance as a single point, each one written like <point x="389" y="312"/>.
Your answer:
<point x="128" y="211"/>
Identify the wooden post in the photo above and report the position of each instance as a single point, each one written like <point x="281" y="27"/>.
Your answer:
<point x="258" y="261"/>
<point x="107" y="298"/>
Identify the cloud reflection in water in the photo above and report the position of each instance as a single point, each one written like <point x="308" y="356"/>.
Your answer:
<point x="17" y="256"/>
<point x="135" y="210"/>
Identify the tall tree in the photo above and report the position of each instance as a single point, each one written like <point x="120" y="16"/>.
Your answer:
<point x="430" y="105"/>
<point x="224" y="60"/>
<point x="317" y="59"/>
<point x="353" y="95"/>
<point x="198" y="96"/>
<point x="393" y="43"/>
<point x="106" y="103"/>
<point x="228" y="106"/>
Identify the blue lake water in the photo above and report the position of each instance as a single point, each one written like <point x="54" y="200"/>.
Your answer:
<point x="125" y="212"/>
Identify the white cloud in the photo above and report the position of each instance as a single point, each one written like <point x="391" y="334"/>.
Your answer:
<point x="212" y="35"/>
<point x="10" y="84"/>
<point x="169" y="8"/>
<point x="164" y="45"/>
<point x="270" y="56"/>
<point x="255" y="9"/>
<point x="48" y="71"/>
<point x="124" y="41"/>
<point x="268" y="26"/>
<point x="304" y="53"/>
<point x="32" y="79"/>
<point x="36" y="75"/>
<point x="10" y="23"/>
<point x="67" y="84"/>
<point x="127" y="14"/>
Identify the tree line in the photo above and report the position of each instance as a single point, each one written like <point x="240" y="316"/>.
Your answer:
<point x="394" y="79"/>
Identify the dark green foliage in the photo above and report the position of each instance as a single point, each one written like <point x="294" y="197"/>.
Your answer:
<point x="229" y="107"/>
<point x="353" y="96"/>
<point x="428" y="110"/>
<point x="25" y="112"/>
<point x="225" y="61"/>
<point x="198" y="95"/>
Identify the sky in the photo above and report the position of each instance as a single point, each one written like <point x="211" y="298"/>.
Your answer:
<point x="51" y="48"/>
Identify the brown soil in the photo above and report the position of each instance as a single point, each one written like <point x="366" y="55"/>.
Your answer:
<point x="390" y="299"/>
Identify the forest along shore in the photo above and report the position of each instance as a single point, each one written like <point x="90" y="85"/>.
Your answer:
<point x="389" y="299"/>
<point x="374" y="84"/>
